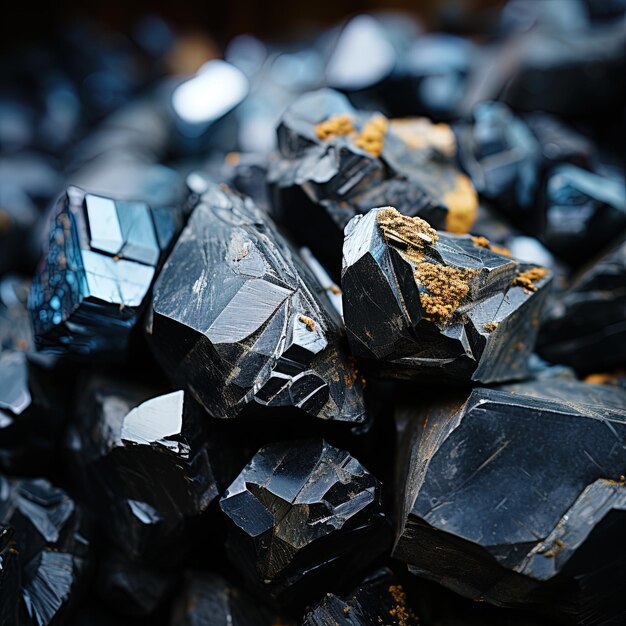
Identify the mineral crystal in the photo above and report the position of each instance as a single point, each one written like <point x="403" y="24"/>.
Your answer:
<point x="420" y="302"/>
<point x="49" y="547"/>
<point x="584" y="212"/>
<point x="522" y="486"/>
<point x="240" y="320"/>
<point x="585" y="327"/>
<point x="207" y="599"/>
<point x="145" y="464"/>
<point x="302" y="517"/>
<point x="102" y="257"/>
<point x="336" y="162"/>
<point x="379" y="599"/>
<point x="31" y="415"/>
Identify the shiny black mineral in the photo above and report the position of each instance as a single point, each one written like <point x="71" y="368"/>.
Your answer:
<point x="378" y="599"/>
<point x="145" y="464"/>
<point x="517" y="496"/>
<point x="101" y="260"/>
<point x="44" y="552"/>
<point x="585" y="327"/>
<point x="336" y="162"/>
<point x="242" y="322"/>
<point x="301" y="515"/>
<point x="418" y="302"/>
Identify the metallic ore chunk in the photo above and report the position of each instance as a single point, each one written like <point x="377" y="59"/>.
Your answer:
<point x="102" y="257"/>
<point x="242" y="322"/>
<point x="421" y="303"/>
<point x="517" y="496"/>
<point x="301" y="515"/>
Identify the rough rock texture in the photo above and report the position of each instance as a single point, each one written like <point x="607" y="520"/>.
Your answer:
<point x="585" y="327"/>
<point x="44" y="547"/>
<point x="32" y="415"/>
<point x="336" y="162"/>
<point x="378" y="599"/>
<point x="242" y="322"/>
<point x="102" y="257"/>
<point x="516" y="496"/>
<point x="146" y="465"/>
<point x="417" y="302"/>
<point x="207" y="599"/>
<point x="301" y="515"/>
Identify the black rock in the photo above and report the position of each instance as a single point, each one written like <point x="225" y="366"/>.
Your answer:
<point x="102" y="257"/>
<point x="132" y="588"/>
<point x="50" y="549"/>
<point x="240" y="320"/>
<point x="379" y="599"/>
<point x="146" y="465"/>
<point x="336" y="162"/>
<point x="585" y="327"/>
<point x="504" y="158"/>
<point x="516" y="496"/>
<point x="584" y="213"/>
<point x="303" y="517"/>
<point x="32" y="415"/>
<point x="421" y="303"/>
<point x="207" y="599"/>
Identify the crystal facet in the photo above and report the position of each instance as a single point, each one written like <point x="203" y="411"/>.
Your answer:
<point x="523" y="487"/>
<point x="243" y="323"/>
<point x="420" y="302"/>
<point x="301" y="515"/>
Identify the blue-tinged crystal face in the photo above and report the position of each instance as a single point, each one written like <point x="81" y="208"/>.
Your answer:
<point x="102" y="258"/>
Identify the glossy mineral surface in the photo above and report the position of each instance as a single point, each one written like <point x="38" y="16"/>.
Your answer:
<point x="423" y="303"/>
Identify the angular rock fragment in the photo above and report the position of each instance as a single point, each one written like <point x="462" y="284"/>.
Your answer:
<point x="379" y="599"/>
<point x="146" y="465"/>
<point x="207" y="599"/>
<point x="583" y="213"/>
<point x="585" y="327"/>
<point x="242" y="322"/>
<point x="516" y="496"/>
<point x="102" y="257"/>
<point x="336" y="162"/>
<point x="302" y="515"/>
<point x="32" y="415"/>
<point x="44" y="545"/>
<point x="418" y="302"/>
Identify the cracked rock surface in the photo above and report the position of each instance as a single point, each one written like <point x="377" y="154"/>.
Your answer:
<point x="418" y="302"/>
<point x="241" y="321"/>
<point x="336" y="162"/>
<point x="523" y="486"/>
<point x="301" y="514"/>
